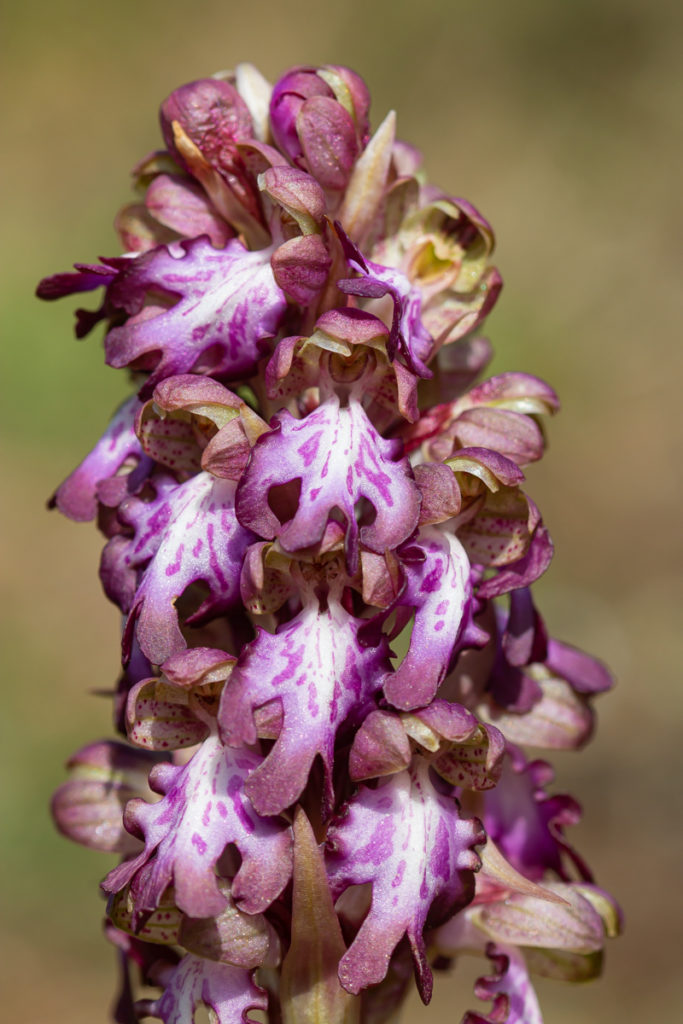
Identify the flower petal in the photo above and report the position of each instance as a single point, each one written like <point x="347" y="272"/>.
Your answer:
<point x="229" y="993"/>
<point x="77" y="496"/>
<point x="437" y="586"/>
<point x="203" y="809"/>
<point x="339" y="459"/>
<point x="188" y="533"/>
<point x="227" y="306"/>
<point x="514" y="999"/>
<point x="88" y="807"/>
<point x="410" y="842"/>
<point x="320" y="672"/>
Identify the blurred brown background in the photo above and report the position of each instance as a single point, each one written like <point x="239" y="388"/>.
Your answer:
<point x="561" y="122"/>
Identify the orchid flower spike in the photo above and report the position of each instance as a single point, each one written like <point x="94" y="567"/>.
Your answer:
<point x="317" y="536"/>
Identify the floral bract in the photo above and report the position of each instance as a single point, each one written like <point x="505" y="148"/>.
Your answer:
<point x="317" y="537"/>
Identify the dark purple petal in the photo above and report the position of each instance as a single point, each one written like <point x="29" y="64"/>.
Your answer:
<point x="87" y="277"/>
<point x="228" y="305"/>
<point x="524" y="639"/>
<point x="409" y="337"/>
<point x="526" y="823"/>
<point x="339" y="459"/>
<point x="319" y="671"/>
<point x="203" y="809"/>
<point x="584" y="673"/>
<point x="410" y="842"/>
<point x="513" y="996"/>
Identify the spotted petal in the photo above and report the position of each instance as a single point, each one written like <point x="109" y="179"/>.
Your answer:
<point x="437" y="586"/>
<point x="227" y="991"/>
<point x="188" y="533"/>
<point x="227" y="305"/>
<point x="339" y="459"/>
<point x="409" y="841"/>
<point x="204" y="808"/>
<point x="319" y="671"/>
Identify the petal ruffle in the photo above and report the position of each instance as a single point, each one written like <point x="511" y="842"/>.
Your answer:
<point x="77" y="496"/>
<point x="188" y="533"/>
<point x="316" y="667"/>
<point x="228" y="305"/>
<point x="339" y="459"/>
<point x="229" y="993"/>
<point x="510" y="989"/>
<point x="409" y="841"/>
<point x="437" y="586"/>
<point x="203" y="809"/>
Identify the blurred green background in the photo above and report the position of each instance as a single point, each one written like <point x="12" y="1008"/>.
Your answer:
<point x="561" y="122"/>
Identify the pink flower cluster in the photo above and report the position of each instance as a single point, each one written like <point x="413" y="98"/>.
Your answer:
<point x="318" y="539"/>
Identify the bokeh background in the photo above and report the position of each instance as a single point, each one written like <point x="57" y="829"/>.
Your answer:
<point x="560" y="120"/>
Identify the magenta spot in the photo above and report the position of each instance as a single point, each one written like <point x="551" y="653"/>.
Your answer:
<point x="439" y="626"/>
<point x="309" y="449"/>
<point x="206" y="817"/>
<point x="222" y="809"/>
<point x="174" y="567"/>
<point x="398" y="877"/>
<point x="441" y="608"/>
<point x="199" y="844"/>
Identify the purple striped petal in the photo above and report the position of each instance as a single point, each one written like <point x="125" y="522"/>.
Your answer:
<point x="320" y="672"/>
<point x="227" y="306"/>
<point x="229" y="993"/>
<point x="339" y="459"/>
<point x="437" y="587"/>
<point x="203" y="809"/>
<point x="187" y="533"/>
<point x="408" y="840"/>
